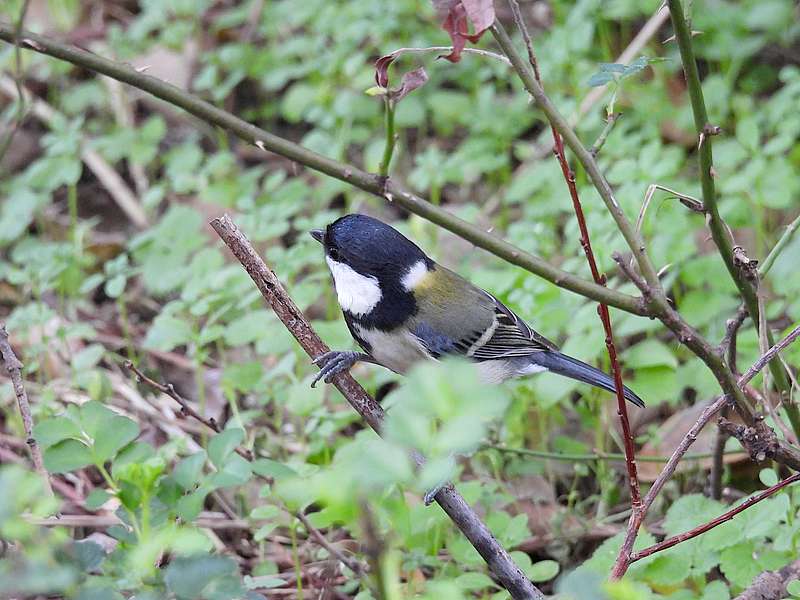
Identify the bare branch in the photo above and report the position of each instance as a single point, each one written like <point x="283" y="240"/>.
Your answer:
<point x="14" y="370"/>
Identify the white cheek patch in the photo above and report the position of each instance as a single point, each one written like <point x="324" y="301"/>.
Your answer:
<point x="414" y="275"/>
<point x="358" y="294"/>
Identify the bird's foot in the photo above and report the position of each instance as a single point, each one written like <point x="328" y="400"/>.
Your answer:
<point x="334" y="362"/>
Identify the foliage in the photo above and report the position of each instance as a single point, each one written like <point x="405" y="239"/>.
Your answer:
<point x="81" y="290"/>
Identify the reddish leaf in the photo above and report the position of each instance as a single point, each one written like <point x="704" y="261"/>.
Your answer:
<point x="382" y="69"/>
<point x="410" y="81"/>
<point x="456" y="16"/>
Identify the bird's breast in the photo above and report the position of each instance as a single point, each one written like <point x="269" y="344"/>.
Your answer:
<point x="397" y="349"/>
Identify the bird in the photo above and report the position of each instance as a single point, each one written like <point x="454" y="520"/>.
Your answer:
<point x="402" y="308"/>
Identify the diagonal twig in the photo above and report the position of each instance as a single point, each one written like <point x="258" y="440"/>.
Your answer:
<point x="14" y="369"/>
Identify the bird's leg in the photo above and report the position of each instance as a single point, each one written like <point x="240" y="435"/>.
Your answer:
<point x="334" y="362"/>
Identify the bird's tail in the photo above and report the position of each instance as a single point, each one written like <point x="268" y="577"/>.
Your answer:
<point x="573" y="368"/>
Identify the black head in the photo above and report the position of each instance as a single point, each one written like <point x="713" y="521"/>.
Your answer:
<point x="369" y="247"/>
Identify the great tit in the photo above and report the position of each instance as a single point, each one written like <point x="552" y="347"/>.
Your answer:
<point x="402" y="307"/>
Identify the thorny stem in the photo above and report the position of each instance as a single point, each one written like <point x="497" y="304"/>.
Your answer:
<point x="600" y="279"/>
<point x="719" y="230"/>
<point x="724" y="517"/>
<point x="391" y="138"/>
<point x="369" y="182"/>
<point x="498" y="559"/>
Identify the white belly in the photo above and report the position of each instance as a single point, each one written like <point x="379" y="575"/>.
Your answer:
<point x="396" y="350"/>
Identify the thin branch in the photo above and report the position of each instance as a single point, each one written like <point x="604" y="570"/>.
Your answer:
<point x="448" y="50"/>
<point x="188" y="411"/>
<point x="727" y="347"/>
<point x="600" y="279"/>
<point x="186" y="408"/>
<point x="689" y="202"/>
<point x="718" y="463"/>
<point x="597" y="456"/>
<point x="499" y="561"/>
<point x="611" y="120"/>
<point x="369" y="182"/>
<point x="769" y="355"/>
<point x="14" y="369"/>
<point x="723" y="518"/>
<point x="719" y="229"/>
<point x="779" y="247"/>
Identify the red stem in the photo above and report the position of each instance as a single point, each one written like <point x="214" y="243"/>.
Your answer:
<point x="605" y="317"/>
<point x="724" y="517"/>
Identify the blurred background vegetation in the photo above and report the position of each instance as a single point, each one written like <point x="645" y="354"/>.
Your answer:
<point x="88" y="281"/>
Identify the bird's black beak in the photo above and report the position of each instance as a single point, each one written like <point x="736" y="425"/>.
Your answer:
<point x="318" y="234"/>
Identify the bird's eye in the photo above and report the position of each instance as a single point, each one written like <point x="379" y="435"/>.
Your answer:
<point x="333" y="253"/>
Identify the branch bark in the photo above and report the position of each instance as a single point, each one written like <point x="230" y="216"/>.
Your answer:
<point x="14" y="369"/>
<point x="369" y="182"/>
<point x="499" y="561"/>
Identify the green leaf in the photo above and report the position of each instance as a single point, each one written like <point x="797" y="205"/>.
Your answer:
<point x="89" y="554"/>
<point x="189" y="470"/>
<point x="235" y="471"/>
<point x="189" y="506"/>
<point x="167" y="333"/>
<point x="187" y="577"/>
<point x="67" y="455"/>
<point x="669" y="568"/>
<point x="265" y="512"/>
<point x="88" y="357"/>
<point x="53" y="430"/>
<point x="543" y="570"/>
<point x="737" y="564"/>
<point x="600" y="78"/>
<point x="222" y="444"/>
<point x="269" y="468"/>
<point x="650" y="353"/>
<point x="96" y="498"/>
<point x="768" y="477"/>
<point x="474" y="581"/>
<point x="118" y="433"/>
<point x="794" y="588"/>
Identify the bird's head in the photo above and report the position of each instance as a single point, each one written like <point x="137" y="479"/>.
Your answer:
<point x="369" y="259"/>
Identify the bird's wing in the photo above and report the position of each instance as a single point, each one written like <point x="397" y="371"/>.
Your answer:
<point x="460" y="318"/>
<point x="510" y="336"/>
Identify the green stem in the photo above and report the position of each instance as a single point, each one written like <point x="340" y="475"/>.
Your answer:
<point x="298" y="570"/>
<point x="72" y="204"/>
<point x="598" y="456"/>
<point x="391" y="139"/>
<point x="719" y="230"/>
<point x="779" y="247"/>
<point x="352" y="175"/>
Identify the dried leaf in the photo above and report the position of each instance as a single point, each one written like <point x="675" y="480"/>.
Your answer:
<point x="456" y="15"/>
<point x="410" y="82"/>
